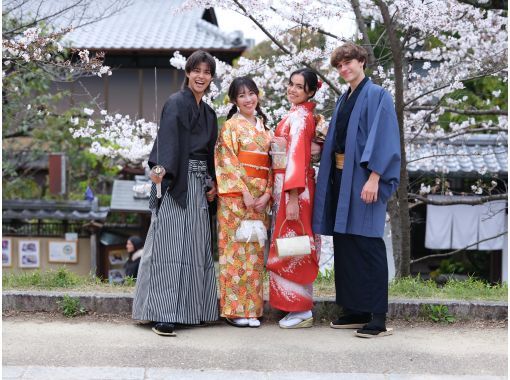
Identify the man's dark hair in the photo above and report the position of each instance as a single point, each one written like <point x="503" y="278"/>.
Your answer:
<point x="349" y="51"/>
<point x="196" y="59"/>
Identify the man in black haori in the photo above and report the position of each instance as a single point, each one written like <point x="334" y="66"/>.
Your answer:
<point x="176" y="280"/>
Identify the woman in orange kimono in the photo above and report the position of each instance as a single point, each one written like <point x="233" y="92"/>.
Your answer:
<point x="291" y="278"/>
<point x="244" y="189"/>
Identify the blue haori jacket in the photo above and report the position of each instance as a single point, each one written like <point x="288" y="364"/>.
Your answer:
<point x="372" y="144"/>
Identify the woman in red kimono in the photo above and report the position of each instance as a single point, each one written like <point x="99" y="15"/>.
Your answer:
<point x="291" y="278"/>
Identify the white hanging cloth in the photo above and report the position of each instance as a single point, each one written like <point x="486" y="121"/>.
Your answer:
<point x="465" y="226"/>
<point x="492" y="222"/>
<point x="438" y="231"/>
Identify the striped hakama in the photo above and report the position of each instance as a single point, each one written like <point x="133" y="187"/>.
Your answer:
<point x="176" y="280"/>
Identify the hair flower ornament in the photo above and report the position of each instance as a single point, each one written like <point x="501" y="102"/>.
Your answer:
<point x="319" y="84"/>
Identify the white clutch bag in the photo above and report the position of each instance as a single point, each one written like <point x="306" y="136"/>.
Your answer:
<point x="294" y="245"/>
<point x="251" y="231"/>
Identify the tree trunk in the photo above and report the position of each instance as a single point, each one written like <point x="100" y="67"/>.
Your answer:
<point x="396" y="232"/>
<point x="372" y="62"/>
<point x="403" y="256"/>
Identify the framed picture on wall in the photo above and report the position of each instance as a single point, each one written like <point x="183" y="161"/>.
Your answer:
<point x="62" y="251"/>
<point x="117" y="257"/>
<point x="29" y="254"/>
<point x="116" y="276"/>
<point x="6" y="252"/>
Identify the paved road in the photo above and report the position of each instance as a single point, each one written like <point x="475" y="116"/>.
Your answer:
<point x="131" y="351"/>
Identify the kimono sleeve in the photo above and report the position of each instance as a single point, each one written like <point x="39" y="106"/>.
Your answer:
<point x="270" y="176"/>
<point x="166" y="150"/>
<point x="382" y="149"/>
<point x="298" y="143"/>
<point x="229" y="171"/>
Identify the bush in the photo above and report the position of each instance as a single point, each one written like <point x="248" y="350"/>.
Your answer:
<point x="61" y="278"/>
<point x="70" y="306"/>
<point x="437" y="313"/>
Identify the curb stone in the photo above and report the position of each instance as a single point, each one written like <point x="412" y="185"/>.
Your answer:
<point x="325" y="308"/>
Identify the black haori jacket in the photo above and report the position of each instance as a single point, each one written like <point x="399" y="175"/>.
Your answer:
<point x="171" y="148"/>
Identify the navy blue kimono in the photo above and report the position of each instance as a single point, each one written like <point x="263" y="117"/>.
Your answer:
<point x="372" y="144"/>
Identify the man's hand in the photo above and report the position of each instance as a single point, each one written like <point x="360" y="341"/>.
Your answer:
<point x="370" y="189"/>
<point x="211" y="194"/>
<point x="155" y="178"/>
<point x="261" y="202"/>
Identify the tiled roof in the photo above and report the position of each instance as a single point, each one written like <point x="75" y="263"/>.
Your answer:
<point x="470" y="154"/>
<point x="123" y="198"/>
<point x="40" y="209"/>
<point x="152" y="24"/>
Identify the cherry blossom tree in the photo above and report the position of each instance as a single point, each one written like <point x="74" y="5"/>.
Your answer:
<point x="34" y="55"/>
<point x="423" y="52"/>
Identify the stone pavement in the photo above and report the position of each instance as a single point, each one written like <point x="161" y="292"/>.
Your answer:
<point x="137" y="373"/>
<point x="51" y="347"/>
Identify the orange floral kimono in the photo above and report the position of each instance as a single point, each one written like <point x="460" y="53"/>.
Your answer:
<point x="291" y="278"/>
<point x="241" y="264"/>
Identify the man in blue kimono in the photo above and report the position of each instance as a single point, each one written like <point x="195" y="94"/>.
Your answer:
<point x="359" y="171"/>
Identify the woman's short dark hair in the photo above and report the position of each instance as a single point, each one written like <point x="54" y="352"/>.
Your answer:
<point x="195" y="59"/>
<point x="235" y="89"/>
<point x="311" y="80"/>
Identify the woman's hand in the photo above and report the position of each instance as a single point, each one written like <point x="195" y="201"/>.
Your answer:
<point x="292" y="209"/>
<point x="315" y="149"/>
<point x="248" y="200"/>
<point x="280" y="141"/>
<point x="261" y="202"/>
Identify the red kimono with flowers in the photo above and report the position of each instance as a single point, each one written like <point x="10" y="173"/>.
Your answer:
<point x="291" y="278"/>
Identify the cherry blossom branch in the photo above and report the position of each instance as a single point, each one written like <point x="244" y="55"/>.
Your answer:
<point x="458" y="250"/>
<point x="489" y="4"/>
<point x="111" y="9"/>
<point x="460" y="111"/>
<point x="360" y="21"/>
<point x="284" y="49"/>
<point x="449" y="155"/>
<point x="497" y="70"/>
<point x="465" y="201"/>
<point x="471" y="130"/>
<point x="422" y="127"/>
<point x="37" y="20"/>
<point x="319" y="30"/>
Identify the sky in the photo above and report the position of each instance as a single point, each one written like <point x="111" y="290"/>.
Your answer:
<point x="230" y="21"/>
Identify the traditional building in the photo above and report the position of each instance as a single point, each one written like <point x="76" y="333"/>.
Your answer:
<point x="139" y="39"/>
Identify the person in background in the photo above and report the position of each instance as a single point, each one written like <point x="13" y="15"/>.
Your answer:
<point x="134" y="247"/>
